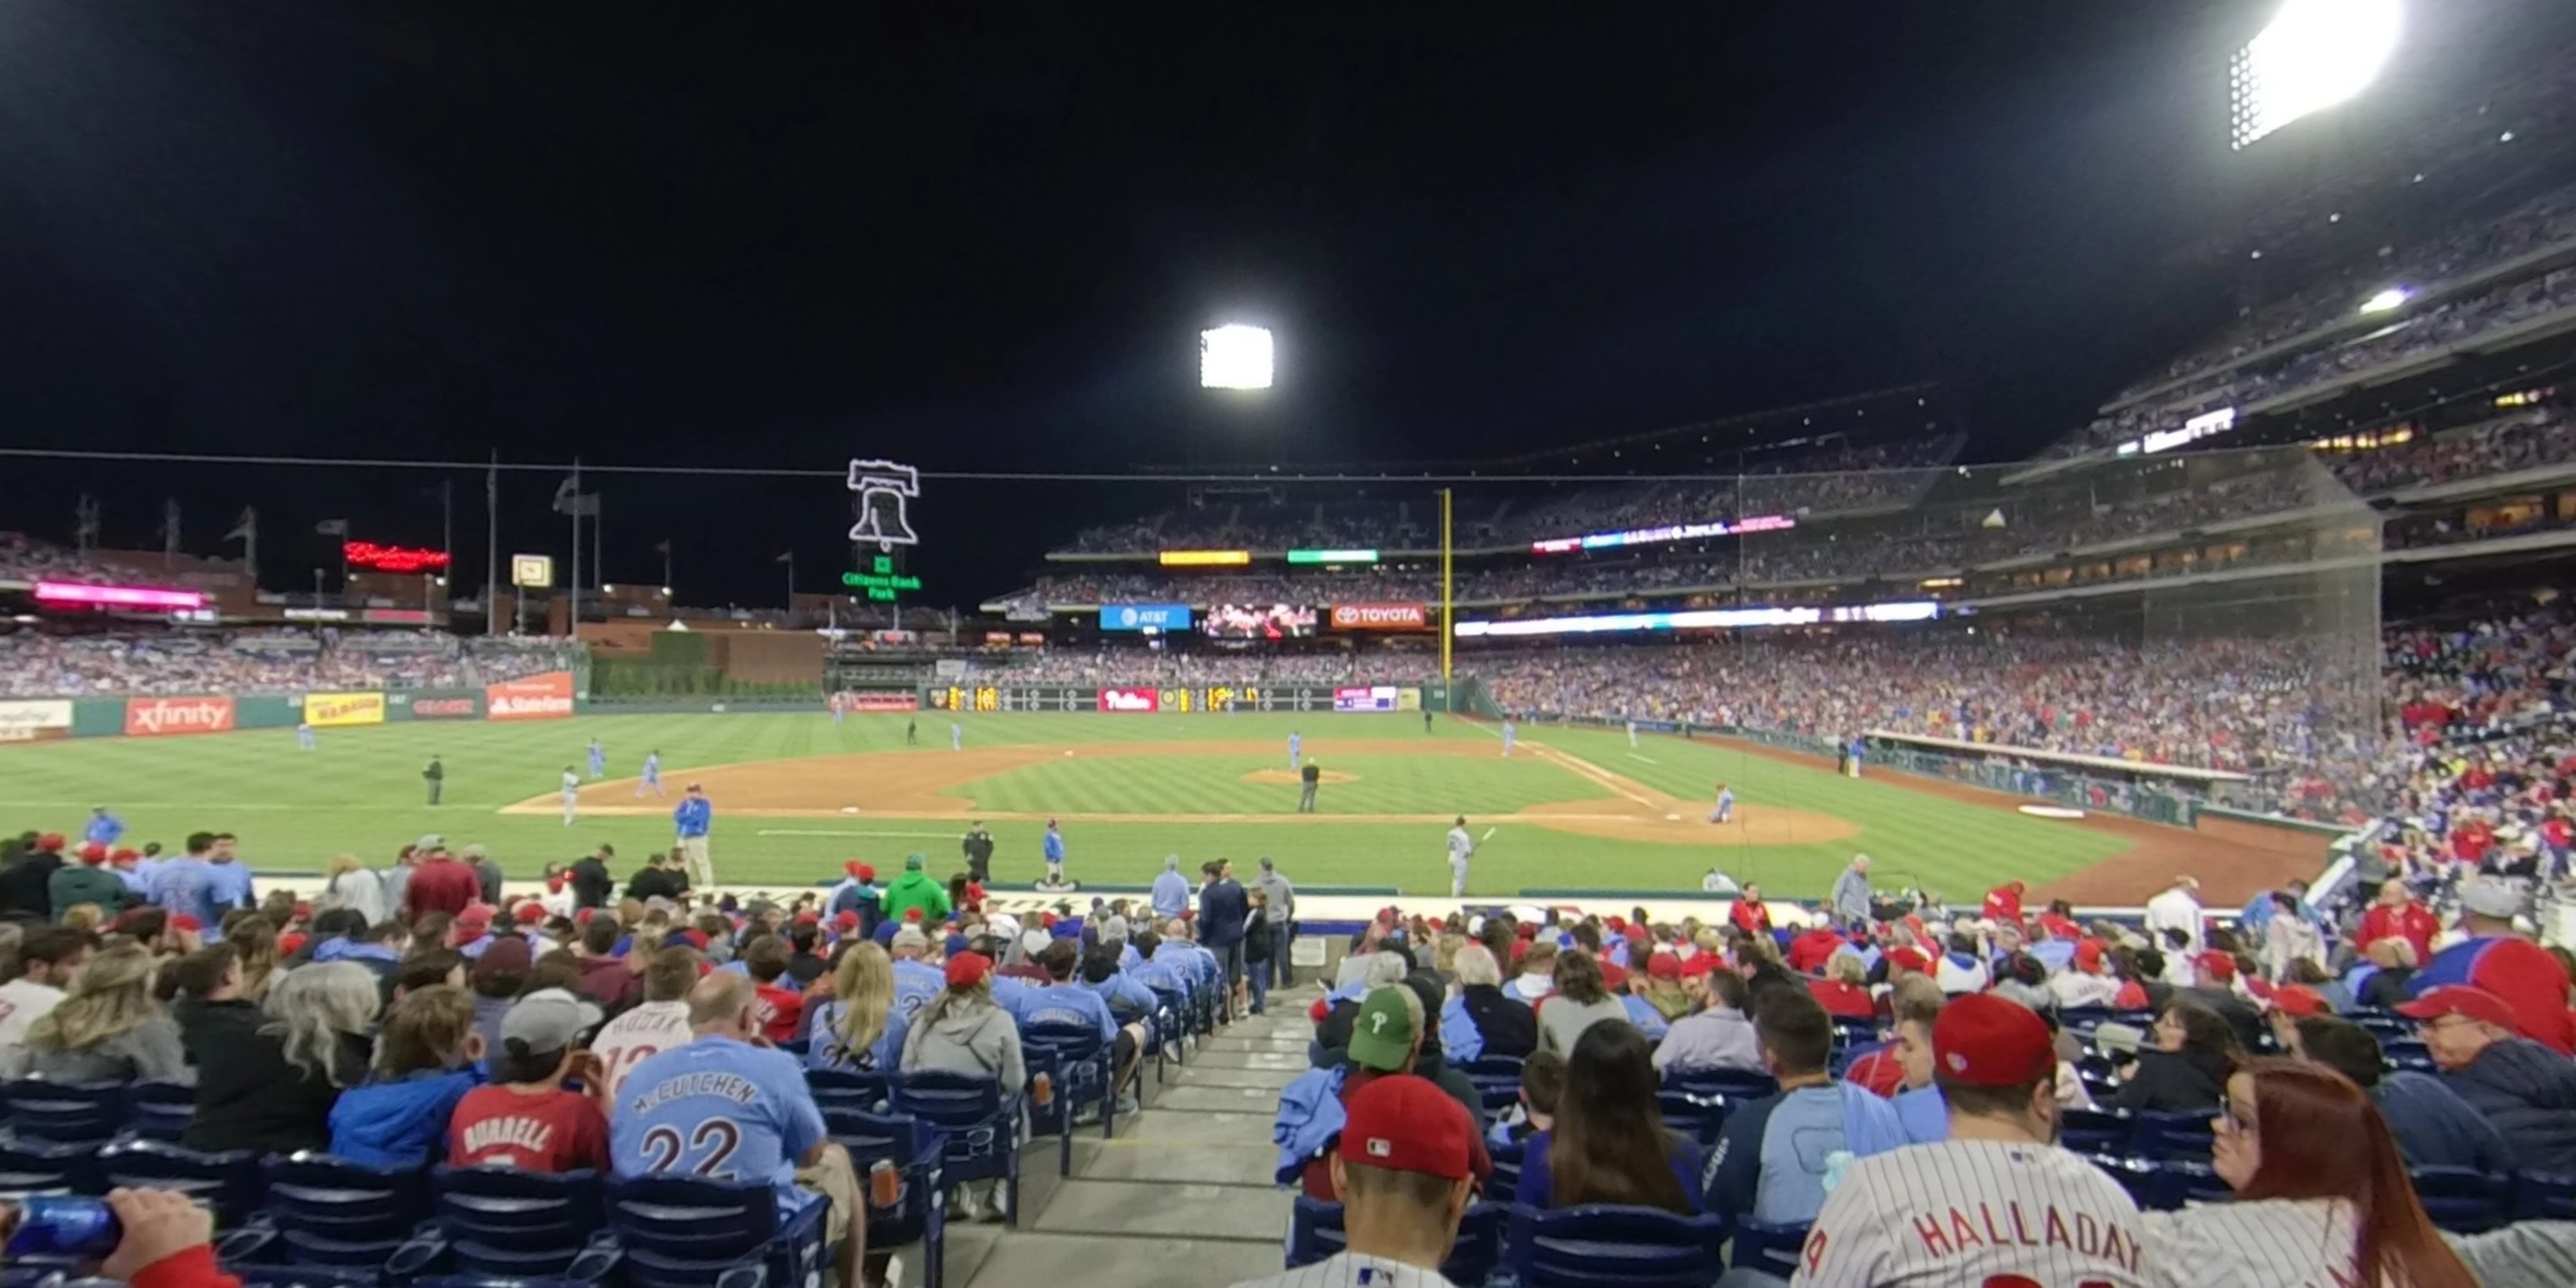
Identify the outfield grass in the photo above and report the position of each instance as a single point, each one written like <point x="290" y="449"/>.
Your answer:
<point x="361" y="792"/>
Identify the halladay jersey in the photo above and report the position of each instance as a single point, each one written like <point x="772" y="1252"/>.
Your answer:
<point x="1975" y="1212"/>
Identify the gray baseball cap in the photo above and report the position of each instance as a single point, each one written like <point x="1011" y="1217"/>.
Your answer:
<point x="549" y="1019"/>
<point x="2489" y="897"/>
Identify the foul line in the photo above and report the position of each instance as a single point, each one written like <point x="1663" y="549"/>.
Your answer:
<point x="1600" y="776"/>
<point x="916" y="836"/>
<point x="1648" y="759"/>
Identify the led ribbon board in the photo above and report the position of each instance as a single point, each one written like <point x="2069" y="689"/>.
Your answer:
<point x="1704" y="618"/>
<point x="1652" y="536"/>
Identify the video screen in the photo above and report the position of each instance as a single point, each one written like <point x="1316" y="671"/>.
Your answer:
<point x="1256" y="622"/>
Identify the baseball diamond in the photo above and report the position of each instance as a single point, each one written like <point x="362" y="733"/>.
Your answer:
<point x="797" y="793"/>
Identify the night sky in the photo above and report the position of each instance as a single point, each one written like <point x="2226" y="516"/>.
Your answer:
<point x="986" y="237"/>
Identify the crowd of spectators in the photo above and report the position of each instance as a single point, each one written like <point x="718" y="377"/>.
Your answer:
<point x="184" y="662"/>
<point x="23" y="558"/>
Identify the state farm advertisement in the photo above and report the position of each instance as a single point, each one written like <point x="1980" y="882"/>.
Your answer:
<point x="157" y="717"/>
<point x="1381" y="617"/>
<point x="1130" y="700"/>
<point x="539" y="697"/>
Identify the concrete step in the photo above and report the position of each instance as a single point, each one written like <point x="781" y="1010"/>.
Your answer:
<point x="1290" y="1042"/>
<point x="1181" y="1097"/>
<point x="1289" y="1061"/>
<point x="1202" y="1163"/>
<point x="1215" y="1075"/>
<point x="1249" y="1126"/>
<point x="1084" y="1260"/>
<point x="1184" y="1210"/>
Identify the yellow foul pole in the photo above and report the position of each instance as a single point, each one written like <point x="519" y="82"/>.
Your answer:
<point x="1446" y="631"/>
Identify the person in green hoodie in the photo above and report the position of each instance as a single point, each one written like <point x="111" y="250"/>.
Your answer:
<point x="87" y="881"/>
<point x="915" y="889"/>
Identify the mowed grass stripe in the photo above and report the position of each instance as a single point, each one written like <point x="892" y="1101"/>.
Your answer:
<point x="362" y="793"/>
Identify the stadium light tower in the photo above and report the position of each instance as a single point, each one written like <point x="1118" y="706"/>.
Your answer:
<point x="1234" y="357"/>
<point x="2314" y="55"/>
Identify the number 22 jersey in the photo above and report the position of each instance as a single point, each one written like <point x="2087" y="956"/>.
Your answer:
<point x="716" y="1108"/>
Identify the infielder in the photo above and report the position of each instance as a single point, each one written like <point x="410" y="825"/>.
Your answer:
<point x="1294" y="742"/>
<point x="1461" y="846"/>
<point x="652" y="774"/>
<point x="598" y="760"/>
<point x="1509" y="731"/>
<point x="1994" y="1204"/>
<point x="690" y="823"/>
<point x="1725" y="811"/>
<point x="571" y="794"/>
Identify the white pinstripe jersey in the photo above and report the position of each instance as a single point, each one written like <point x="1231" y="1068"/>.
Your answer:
<point x="1984" y="1214"/>
<point x="2291" y="1243"/>
<point x="1352" y="1270"/>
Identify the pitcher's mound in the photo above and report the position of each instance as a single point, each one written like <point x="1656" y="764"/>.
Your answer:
<point x="1292" y="778"/>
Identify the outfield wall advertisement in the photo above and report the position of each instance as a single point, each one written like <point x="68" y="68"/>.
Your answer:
<point x="341" y="710"/>
<point x="41" y="720"/>
<point x="539" y="697"/>
<point x="160" y="717"/>
<point x="1138" y="699"/>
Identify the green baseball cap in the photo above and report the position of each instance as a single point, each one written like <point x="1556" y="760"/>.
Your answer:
<point x="1382" y="1036"/>
<point x="912" y="862"/>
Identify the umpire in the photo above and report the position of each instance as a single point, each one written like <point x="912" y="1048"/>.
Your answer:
<point x="1313" y="776"/>
<point x="979" y="854"/>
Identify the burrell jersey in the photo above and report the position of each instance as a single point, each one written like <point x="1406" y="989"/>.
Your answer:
<point x="1975" y="1212"/>
<point x="717" y="1108"/>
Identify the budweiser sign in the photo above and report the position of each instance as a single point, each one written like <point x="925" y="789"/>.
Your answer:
<point x="157" y="717"/>
<point x="1381" y="617"/>
<point x="539" y="697"/>
<point x="1130" y="700"/>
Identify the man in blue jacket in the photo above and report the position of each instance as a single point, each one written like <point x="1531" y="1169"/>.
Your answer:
<point x="690" y="821"/>
<point x="1779" y="1155"/>
<point x="2527" y="1090"/>
<point x="2433" y="1126"/>
<point x="1223" y="908"/>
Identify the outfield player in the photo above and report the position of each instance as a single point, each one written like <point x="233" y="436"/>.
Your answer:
<point x="1632" y="733"/>
<point x="303" y="736"/>
<point x="690" y="823"/>
<point x="571" y="794"/>
<point x="1510" y="731"/>
<point x="1461" y="846"/>
<point x="956" y="736"/>
<point x="598" y="759"/>
<point x="652" y="773"/>
<point x="1725" y="811"/>
<point x="1996" y="1203"/>
<point x="1294" y="743"/>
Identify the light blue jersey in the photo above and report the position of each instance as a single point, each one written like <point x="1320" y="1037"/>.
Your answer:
<point x="1058" y="1004"/>
<point x="716" y="1108"/>
<point x="187" y="885"/>
<point x="826" y="1051"/>
<point x="653" y="769"/>
<point x="916" y="985"/>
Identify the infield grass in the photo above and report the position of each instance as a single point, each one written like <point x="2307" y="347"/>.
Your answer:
<point x="361" y="792"/>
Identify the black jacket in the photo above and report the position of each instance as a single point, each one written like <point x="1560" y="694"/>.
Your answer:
<point x="591" y="883"/>
<point x="1256" y="940"/>
<point x="1508" y="1027"/>
<point x="655" y="883"/>
<point x="2174" y="1082"/>
<point x="2529" y="1092"/>
<point x="24" y="885"/>
<point x="248" y="1096"/>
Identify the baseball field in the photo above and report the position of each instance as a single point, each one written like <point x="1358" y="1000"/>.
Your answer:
<point x="796" y="794"/>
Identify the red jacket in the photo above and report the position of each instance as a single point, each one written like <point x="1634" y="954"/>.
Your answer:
<point x="2412" y="922"/>
<point x="1809" y="952"/>
<point x="441" y="885"/>
<point x="2003" y="903"/>
<point x="1750" y="917"/>
<point x="1843" y="1001"/>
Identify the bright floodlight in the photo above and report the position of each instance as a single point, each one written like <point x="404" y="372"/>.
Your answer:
<point x="2316" y="53"/>
<point x="1234" y="357"/>
<point x="2385" y="300"/>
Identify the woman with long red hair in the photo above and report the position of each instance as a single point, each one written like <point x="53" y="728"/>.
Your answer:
<point x="2322" y="1195"/>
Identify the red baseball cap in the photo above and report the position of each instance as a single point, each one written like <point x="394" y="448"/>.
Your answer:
<point x="847" y="920"/>
<point x="476" y="915"/>
<point x="1616" y="925"/>
<point x="697" y="939"/>
<point x="809" y="917"/>
<point x="966" y="970"/>
<point x="2460" y="999"/>
<point x="852" y="867"/>
<point x="2220" y="966"/>
<point x="185" y="921"/>
<point x="1613" y="976"/>
<point x="50" y="843"/>
<point x="2088" y="954"/>
<point x="1911" y="959"/>
<point x="529" y="913"/>
<point x="1401" y="1123"/>
<point x="2299" y="1000"/>
<point x="124" y="856"/>
<point x="1982" y="1040"/>
<point x="1663" y="966"/>
<point x="581" y="916"/>
<point x="1700" y="963"/>
<point x="289" y="945"/>
<point x="93" y="853"/>
<point x="555" y="883"/>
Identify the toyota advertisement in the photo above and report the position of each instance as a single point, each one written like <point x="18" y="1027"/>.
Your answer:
<point x="1381" y="617"/>
<point x="1130" y="700"/>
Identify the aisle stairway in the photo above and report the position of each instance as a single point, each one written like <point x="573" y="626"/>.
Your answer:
<point x="1182" y="1196"/>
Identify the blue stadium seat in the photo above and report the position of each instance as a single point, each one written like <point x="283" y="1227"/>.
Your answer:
<point x="982" y="1128"/>
<point x="2082" y="1020"/>
<point x="2094" y="1131"/>
<point x="2171" y="1135"/>
<point x="2183" y="1181"/>
<point x="2463" y="1200"/>
<point x="1171" y="1024"/>
<point x="514" y="1224"/>
<point x="868" y="1092"/>
<point x="918" y="1153"/>
<point x="161" y="1109"/>
<point x="1731" y="1084"/>
<point x="85" y="1112"/>
<point x="2136" y="1175"/>
<point x="1604" y="1244"/>
<point x="2545" y="1196"/>
<point x="2408" y="1054"/>
<point x="1505" y="1180"/>
<point x="1763" y="1246"/>
<point x="1315" y="1232"/>
<point x="321" y="1211"/>
<point x="227" y="1183"/>
<point x="689" y="1232"/>
<point x="1699" y="1115"/>
<point x="1497" y="1079"/>
<point x="1850" y="1032"/>
<point x="1084" y="1068"/>
<point x="265" y="1276"/>
<point x="27" y="1166"/>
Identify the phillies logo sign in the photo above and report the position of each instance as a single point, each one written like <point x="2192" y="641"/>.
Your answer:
<point x="1130" y="700"/>
<point x="157" y="717"/>
<point x="1380" y="617"/>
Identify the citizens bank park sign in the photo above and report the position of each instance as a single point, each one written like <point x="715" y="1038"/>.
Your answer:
<point x="1381" y="617"/>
